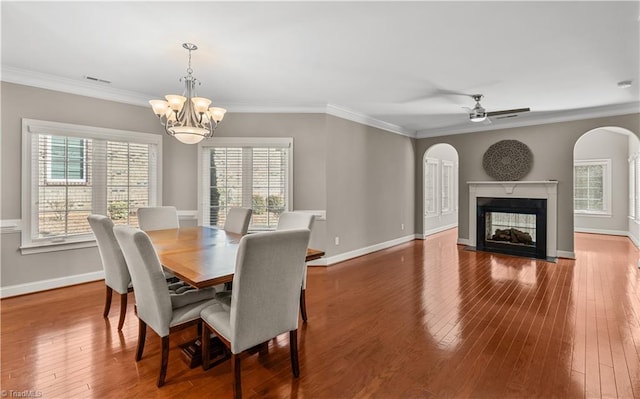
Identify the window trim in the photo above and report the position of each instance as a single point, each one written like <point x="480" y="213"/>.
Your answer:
<point x="606" y="194"/>
<point x="32" y="127"/>
<point x="243" y="142"/>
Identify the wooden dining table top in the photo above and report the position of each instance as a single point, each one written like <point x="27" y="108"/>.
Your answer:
<point x="202" y="256"/>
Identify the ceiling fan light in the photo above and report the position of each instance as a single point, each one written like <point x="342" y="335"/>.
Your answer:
<point x="477" y="115"/>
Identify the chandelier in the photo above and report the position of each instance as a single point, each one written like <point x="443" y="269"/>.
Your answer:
<point x="188" y="118"/>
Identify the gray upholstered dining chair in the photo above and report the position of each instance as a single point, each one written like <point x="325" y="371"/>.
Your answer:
<point x="156" y="307"/>
<point x="116" y="274"/>
<point x="298" y="220"/>
<point x="158" y="218"/>
<point x="237" y="220"/>
<point x="264" y="300"/>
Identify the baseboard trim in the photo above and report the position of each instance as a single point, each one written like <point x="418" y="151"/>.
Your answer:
<point x="441" y="229"/>
<point x="566" y="254"/>
<point x="464" y="241"/>
<point x="601" y="231"/>
<point x="332" y="260"/>
<point x="44" y="285"/>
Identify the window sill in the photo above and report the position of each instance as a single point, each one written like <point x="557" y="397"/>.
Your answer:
<point x="593" y="214"/>
<point x="44" y="247"/>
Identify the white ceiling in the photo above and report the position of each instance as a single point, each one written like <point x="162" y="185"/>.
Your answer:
<point x="389" y="64"/>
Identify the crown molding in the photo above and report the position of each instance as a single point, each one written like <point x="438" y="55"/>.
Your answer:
<point x="555" y="117"/>
<point x="368" y="120"/>
<point x="105" y="92"/>
<point x="72" y="86"/>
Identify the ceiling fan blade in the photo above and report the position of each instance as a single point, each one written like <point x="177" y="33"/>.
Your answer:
<point x="508" y="111"/>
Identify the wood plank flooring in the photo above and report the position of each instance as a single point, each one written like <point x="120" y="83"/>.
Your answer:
<point x="424" y="319"/>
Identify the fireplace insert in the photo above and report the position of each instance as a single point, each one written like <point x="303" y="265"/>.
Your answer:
<point x="514" y="226"/>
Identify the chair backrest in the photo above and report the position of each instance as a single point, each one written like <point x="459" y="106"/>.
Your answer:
<point x="116" y="273"/>
<point x="158" y="218"/>
<point x="295" y="220"/>
<point x="237" y="220"/>
<point x="149" y="285"/>
<point x="266" y="286"/>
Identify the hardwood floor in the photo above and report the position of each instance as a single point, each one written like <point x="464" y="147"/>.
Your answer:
<point x="423" y="319"/>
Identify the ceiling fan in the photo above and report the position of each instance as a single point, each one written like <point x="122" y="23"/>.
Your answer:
<point x="479" y="114"/>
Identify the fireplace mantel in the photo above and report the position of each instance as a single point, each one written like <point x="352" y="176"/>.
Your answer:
<point x="547" y="189"/>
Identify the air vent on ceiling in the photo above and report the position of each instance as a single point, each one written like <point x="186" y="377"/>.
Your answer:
<point x="92" y="79"/>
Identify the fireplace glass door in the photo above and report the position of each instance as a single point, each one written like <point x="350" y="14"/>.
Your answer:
<point x="515" y="226"/>
<point x="510" y="228"/>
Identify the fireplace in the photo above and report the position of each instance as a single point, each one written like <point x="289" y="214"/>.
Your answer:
<point x="546" y="224"/>
<point x="514" y="226"/>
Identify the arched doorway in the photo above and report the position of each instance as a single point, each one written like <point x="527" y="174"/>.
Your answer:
<point x="607" y="183"/>
<point x="440" y="189"/>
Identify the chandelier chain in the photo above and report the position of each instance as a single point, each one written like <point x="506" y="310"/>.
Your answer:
<point x="189" y="70"/>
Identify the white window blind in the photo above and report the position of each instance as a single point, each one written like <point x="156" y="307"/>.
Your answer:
<point x="637" y="187"/>
<point x="431" y="187"/>
<point x="250" y="173"/>
<point x="447" y="187"/>
<point x="70" y="172"/>
<point x="592" y="186"/>
<point x="632" y="187"/>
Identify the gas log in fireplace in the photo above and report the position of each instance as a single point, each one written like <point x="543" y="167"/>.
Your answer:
<point x="514" y="226"/>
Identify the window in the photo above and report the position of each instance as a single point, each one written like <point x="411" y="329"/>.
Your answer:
<point x="447" y="187"/>
<point x="592" y="186"/>
<point x="430" y="187"/>
<point x="71" y="171"/>
<point x="66" y="161"/>
<point x="251" y="173"/>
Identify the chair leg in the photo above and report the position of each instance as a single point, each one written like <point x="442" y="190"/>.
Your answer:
<point x="237" y="384"/>
<point x="293" y="348"/>
<point x="142" y="335"/>
<point x="303" y="305"/>
<point x="164" y="361"/>
<point x="206" y="343"/>
<point x="123" y="310"/>
<point x="107" y="301"/>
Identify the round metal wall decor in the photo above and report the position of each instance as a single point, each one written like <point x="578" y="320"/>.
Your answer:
<point x="508" y="160"/>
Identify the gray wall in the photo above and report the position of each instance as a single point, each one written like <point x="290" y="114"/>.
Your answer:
<point x="606" y="144"/>
<point x="370" y="186"/>
<point x="552" y="146"/>
<point x="27" y="102"/>
<point x="434" y="224"/>
<point x="363" y="177"/>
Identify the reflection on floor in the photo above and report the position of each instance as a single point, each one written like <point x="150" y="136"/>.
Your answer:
<point x="423" y="319"/>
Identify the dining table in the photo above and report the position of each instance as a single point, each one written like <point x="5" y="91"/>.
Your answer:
<point x="202" y="256"/>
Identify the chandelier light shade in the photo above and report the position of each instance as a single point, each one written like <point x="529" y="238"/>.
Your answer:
<point x="188" y="118"/>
